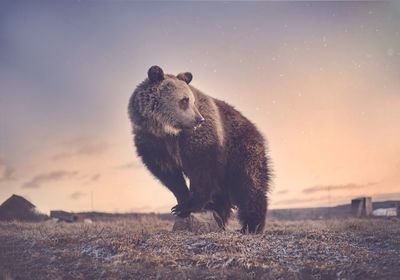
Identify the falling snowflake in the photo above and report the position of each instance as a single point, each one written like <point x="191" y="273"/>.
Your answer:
<point x="390" y="52"/>
<point x="324" y="41"/>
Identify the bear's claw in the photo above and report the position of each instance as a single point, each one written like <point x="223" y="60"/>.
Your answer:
<point x="180" y="210"/>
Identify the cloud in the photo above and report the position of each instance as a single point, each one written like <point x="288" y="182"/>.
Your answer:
<point x="7" y="173"/>
<point x="95" y="177"/>
<point x="54" y="176"/>
<point x="77" y="195"/>
<point x="337" y="199"/>
<point x="282" y="192"/>
<point x="82" y="146"/>
<point x="89" y="178"/>
<point x="386" y="196"/>
<point x="326" y="188"/>
<point x="301" y="200"/>
<point x="129" y="165"/>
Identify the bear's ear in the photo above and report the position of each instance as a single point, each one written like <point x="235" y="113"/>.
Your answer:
<point x="155" y="74"/>
<point x="186" y="77"/>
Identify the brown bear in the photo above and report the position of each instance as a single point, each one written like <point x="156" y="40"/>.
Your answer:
<point x="180" y="131"/>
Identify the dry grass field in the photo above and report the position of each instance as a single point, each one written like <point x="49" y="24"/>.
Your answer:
<point x="148" y="249"/>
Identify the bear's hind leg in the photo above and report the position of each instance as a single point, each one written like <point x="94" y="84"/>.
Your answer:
<point x="252" y="212"/>
<point x="250" y="183"/>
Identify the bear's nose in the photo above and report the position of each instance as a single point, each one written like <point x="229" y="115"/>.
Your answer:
<point x="199" y="119"/>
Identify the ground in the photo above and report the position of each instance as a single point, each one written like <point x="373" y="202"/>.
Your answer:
<point x="146" y="248"/>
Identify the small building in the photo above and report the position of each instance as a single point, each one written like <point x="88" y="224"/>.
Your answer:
<point x="361" y="207"/>
<point x="63" y="216"/>
<point x="18" y="208"/>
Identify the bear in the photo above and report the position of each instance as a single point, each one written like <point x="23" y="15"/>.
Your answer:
<point x="179" y="132"/>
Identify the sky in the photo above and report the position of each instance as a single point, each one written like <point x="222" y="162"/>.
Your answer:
<point x="321" y="80"/>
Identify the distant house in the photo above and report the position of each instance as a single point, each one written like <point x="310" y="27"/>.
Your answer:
<point x="18" y="208"/>
<point x="361" y="207"/>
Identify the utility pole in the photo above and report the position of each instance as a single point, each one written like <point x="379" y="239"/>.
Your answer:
<point x="329" y="201"/>
<point x="91" y="200"/>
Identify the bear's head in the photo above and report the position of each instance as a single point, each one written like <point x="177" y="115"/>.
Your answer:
<point x="164" y="103"/>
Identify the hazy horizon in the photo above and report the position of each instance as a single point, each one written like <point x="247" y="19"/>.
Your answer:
<point x="319" y="79"/>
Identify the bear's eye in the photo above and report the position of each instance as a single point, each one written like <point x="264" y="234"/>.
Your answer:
<point x="184" y="103"/>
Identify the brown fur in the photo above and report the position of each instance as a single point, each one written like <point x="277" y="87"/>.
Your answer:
<point x="225" y="158"/>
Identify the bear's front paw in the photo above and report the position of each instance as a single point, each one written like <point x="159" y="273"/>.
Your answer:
<point x="180" y="210"/>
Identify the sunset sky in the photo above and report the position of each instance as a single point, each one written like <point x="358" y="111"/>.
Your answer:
<point x="321" y="80"/>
